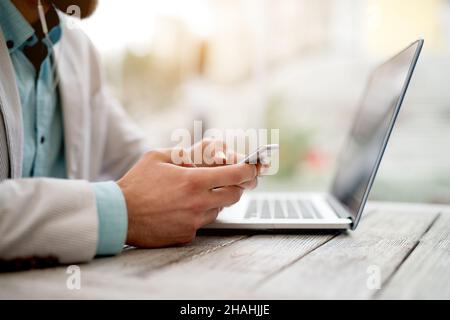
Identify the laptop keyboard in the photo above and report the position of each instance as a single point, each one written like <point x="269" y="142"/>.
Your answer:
<point x="282" y="209"/>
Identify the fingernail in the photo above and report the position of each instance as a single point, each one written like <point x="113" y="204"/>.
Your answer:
<point x="221" y="155"/>
<point x="220" y="158"/>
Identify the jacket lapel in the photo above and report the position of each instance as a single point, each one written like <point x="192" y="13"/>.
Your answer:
<point x="71" y="104"/>
<point x="11" y="112"/>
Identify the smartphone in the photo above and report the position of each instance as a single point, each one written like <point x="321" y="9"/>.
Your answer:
<point x="261" y="155"/>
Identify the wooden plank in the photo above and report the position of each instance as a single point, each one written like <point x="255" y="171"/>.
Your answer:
<point x="425" y="274"/>
<point x="102" y="274"/>
<point x="228" y="272"/>
<point x="138" y="262"/>
<point x="339" y="269"/>
<point x="232" y="271"/>
<point x="403" y="206"/>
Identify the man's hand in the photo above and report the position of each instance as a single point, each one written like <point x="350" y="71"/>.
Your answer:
<point x="167" y="203"/>
<point x="211" y="153"/>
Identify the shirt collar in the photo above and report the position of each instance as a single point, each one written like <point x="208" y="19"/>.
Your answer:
<point x="19" y="32"/>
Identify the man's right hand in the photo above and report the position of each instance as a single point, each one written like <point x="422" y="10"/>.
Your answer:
<point x="167" y="203"/>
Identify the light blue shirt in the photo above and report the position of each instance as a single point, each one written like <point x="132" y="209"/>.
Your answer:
<point x="44" y="154"/>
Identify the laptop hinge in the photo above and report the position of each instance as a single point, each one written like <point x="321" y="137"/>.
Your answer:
<point x="340" y="210"/>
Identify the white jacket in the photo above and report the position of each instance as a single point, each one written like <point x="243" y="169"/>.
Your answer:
<point x="57" y="219"/>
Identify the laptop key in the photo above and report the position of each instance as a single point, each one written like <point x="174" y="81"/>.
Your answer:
<point x="252" y="210"/>
<point x="314" y="209"/>
<point x="306" y="211"/>
<point x="292" y="212"/>
<point x="265" y="210"/>
<point x="279" y="212"/>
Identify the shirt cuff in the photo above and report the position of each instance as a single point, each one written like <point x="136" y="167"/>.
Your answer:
<point x="112" y="218"/>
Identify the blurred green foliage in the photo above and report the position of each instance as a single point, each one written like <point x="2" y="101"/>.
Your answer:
<point x="294" y="141"/>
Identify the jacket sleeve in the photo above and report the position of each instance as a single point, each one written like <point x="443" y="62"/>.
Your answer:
<point x="47" y="220"/>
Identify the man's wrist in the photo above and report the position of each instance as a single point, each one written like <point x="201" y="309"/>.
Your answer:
<point x="112" y="218"/>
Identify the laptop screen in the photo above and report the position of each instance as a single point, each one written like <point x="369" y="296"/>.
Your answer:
<point x="361" y="156"/>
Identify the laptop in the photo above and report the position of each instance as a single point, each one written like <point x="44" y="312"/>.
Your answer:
<point x="342" y="207"/>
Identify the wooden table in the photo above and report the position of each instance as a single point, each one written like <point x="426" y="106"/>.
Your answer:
<point x="405" y="246"/>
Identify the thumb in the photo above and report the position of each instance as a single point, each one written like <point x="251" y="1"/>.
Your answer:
<point x="220" y="158"/>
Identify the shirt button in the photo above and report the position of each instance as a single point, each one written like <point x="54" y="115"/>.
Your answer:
<point x="10" y="44"/>
<point x="42" y="140"/>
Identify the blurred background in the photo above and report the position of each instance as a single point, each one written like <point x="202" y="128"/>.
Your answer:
<point x="295" y="65"/>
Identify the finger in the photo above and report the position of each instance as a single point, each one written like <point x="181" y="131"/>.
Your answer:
<point x="223" y="176"/>
<point x="249" y="185"/>
<point x="160" y="155"/>
<point x="177" y="156"/>
<point x="263" y="170"/>
<point x="181" y="157"/>
<point x="210" y="216"/>
<point x="214" y="153"/>
<point x="220" y="159"/>
<point x="259" y="168"/>
<point x="234" y="157"/>
<point x="224" y="197"/>
<point x="231" y="157"/>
